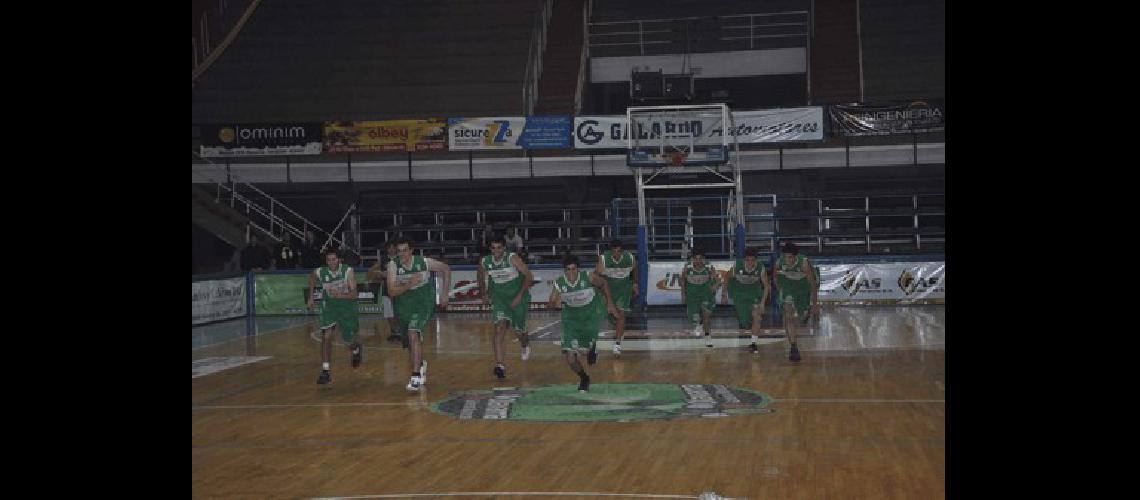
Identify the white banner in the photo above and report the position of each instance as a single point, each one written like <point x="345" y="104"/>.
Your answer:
<point x="467" y="295"/>
<point x="665" y="280"/>
<point x="766" y="126"/>
<point x="896" y="282"/>
<point x="218" y="299"/>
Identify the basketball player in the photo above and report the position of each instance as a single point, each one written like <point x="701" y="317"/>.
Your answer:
<point x="413" y="295"/>
<point x="748" y="287"/>
<point x="509" y="293"/>
<point x="576" y="292"/>
<point x="798" y="291"/>
<point x="378" y="274"/>
<point x="338" y="309"/>
<point x="699" y="283"/>
<point x="620" y="270"/>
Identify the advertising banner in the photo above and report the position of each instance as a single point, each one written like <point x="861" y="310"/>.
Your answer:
<point x="909" y="118"/>
<point x="897" y="283"/>
<point x="751" y="127"/>
<point x="215" y="300"/>
<point x="261" y="139"/>
<point x="385" y="136"/>
<point x="532" y="132"/>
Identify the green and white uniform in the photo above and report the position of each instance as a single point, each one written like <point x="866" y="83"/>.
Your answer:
<point x="699" y="293"/>
<point x="337" y="312"/>
<point x="617" y="275"/>
<point x="582" y="307"/>
<point x="793" y="284"/>
<point x="745" y="289"/>
<point x="504" y="281"/>
<point x="414" y="307"/>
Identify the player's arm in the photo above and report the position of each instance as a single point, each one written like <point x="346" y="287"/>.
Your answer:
<point x="394" y="288"/>
<point x="633" y="277"/>
<point x="350" y="276"/>
<point x="375" y="273"/>
<point x="555" y="300"/>
<point x="715" y="279"/>
<point x="684" y="282"/>
<point x="312" y="283"/>
<point x="484" y="289"/>
<point x="444" y="271"/>
<point x="600" y="282"/>
<point x="528" y="277"/>
<point x="765" y="286"/>
<point x="806" y="267"/>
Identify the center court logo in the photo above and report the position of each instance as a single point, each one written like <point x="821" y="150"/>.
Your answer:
<point x="603" y="403"/>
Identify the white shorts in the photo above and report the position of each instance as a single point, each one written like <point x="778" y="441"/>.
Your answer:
<point x="386" y="306"/>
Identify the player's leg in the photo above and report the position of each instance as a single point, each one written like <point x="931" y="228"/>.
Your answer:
<point x="706" y="315"/>
<point x="415" y="326"/>
<point x="326" y="354"/>
<point x="791" y="325"/>
<point x="348" y="323"/>
<point x="757" y="311"/>
<point x="393" y="323"/>
<point x="622" y="306"/>
<point x="518" y="324"/>
<point x="498" y="345"/>
<point x="693" y="312"/>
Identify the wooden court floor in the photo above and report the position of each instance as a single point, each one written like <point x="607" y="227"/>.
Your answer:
<point x="862" y="416"/>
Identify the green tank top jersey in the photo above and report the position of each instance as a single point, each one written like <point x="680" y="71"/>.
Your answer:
<point x="744" y="281"/>
<point x="504" y="279"/>
<point x="697" y="283"/>
<point x="580" y="300"/>
<point x="617" y="272"/>
<point x="423" y="295"/>
<point x="792" y="278"/>
<point x="331" y="282"/>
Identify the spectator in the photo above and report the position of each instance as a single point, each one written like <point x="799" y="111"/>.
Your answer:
<point x="514" y="240"/>
<point x="255" y="257"/>
<point x="485" y="243"/>
<point x="311" y="252"/>
<point x="287" y="254"/>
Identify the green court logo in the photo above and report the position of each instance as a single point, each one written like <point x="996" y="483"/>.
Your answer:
<point x="603" y="403"/>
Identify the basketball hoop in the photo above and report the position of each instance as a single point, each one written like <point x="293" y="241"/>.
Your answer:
<point x="676" y="158"/>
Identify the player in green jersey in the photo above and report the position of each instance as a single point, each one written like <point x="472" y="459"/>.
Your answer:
<point x="414" y="297"/>
<point x="699" y="283"/>
<point x="508" y="291"/>
<point x="619" y="268"/>
<point x="797" y="291"/>
<point x="748" y="286"/>
<point x="576" y="293"/>
<point x="338" y="309"/>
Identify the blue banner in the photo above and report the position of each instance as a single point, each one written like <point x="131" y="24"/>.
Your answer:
<point x="546" y="132"/>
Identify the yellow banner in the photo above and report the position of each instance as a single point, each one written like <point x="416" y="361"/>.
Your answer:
<point x="386" y="136"/>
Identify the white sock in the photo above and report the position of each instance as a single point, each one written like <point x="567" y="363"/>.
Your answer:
<point x="325" y="366"/>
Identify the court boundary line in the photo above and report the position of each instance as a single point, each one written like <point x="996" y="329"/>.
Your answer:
<point x="423" y="404"/>
<point x="246" y="337"/>
<point x="515" y="493"/>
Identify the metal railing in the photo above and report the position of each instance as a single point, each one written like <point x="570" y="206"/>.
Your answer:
<point x="911" y="223"/>
<point x="534" y="55"/>
<point x="680" y="31"/>
<point x="264" y="212"/>
<point x="584" y="59"/>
